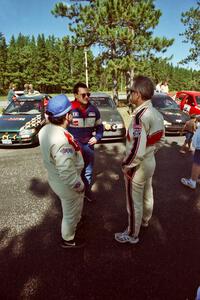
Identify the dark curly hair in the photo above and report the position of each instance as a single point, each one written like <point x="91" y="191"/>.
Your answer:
<point x="55" y="120"/>
<point x="79" y="85"/>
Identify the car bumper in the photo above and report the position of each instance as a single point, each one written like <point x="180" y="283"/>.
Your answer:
<point x="173" y="129"/>
<point x="19" y="142"/>
<point x="109" y="135"/>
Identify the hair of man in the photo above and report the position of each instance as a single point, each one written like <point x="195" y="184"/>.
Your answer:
<point x="56" y="120"/>
<point x="144" y="86"/>
<point x="79" y="85"/>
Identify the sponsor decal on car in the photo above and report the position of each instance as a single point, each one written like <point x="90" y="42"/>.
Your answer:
<point x="34" y="122"/>
<point x="14" y="119"/>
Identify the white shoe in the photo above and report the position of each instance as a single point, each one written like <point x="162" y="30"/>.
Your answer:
<point x="189" y="183"/>
<point x="124" y="237"/>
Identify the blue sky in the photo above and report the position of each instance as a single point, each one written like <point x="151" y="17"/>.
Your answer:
<point x="34" y="17"/>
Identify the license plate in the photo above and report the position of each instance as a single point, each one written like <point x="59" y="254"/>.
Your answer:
<point x="6" y="142"/>
<point x="178" y="121"/>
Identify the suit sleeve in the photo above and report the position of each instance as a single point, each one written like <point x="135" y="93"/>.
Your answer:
<point x="65" y="165"/>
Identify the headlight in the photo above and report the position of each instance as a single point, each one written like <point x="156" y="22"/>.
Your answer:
<point x="24" y="133"/>
<point x="120" y="126"/>
<point x="113" y="126"/>
<point x="167" y="123"/>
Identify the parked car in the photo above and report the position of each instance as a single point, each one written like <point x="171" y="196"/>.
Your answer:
<point x="22" y="119"/>
<point x="174" y="118"/>
<point x="114" y="126"/>
<point x="19" y="93"/>
<point x="189" y="101"/>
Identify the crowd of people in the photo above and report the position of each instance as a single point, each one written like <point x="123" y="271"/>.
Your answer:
<point x="28" y="90"/>
<point x="67" y="146"/>
<point x="162" y="87"/>
<point x="192" y="137"/>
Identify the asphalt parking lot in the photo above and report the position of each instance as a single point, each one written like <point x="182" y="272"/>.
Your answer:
<point x="164" y="265"/>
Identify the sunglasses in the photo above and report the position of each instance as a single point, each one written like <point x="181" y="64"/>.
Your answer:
<point x="85" y="94"/>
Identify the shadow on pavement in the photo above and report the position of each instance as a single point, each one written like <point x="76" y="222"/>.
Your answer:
<point x="164" y="265"/>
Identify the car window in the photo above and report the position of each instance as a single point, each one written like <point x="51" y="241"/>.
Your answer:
<point x="102" y="102"/>
<point x="198" y="100"/>
<point x="164" y="102"/>
<point x="23" y="107"/>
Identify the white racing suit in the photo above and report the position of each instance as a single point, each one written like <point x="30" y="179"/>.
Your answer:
<point x="64" y="163"/>
<point x="145" y="135"/>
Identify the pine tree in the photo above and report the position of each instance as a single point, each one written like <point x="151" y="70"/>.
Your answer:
<point x="191" y="19"/>
<point x="3" y="60"/>
<point x="122" y="28"/>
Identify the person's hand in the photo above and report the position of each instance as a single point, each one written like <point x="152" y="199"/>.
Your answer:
<point x="92" y="141"/>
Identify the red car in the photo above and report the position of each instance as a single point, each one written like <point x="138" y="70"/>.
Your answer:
<point x="189" y="102"/>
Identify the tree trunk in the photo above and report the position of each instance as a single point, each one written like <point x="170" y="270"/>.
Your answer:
<point x="129" y="83"/>
<point x="115" y="88"/>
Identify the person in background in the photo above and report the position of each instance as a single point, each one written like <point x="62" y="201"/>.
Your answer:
<point x="190" y="127"/>
<point x="195" y="173"/>
<point x="31" y="90"/>
<point x="64" y="162"/>
<point x="158" y="87"/>
<point x="26" y="88"/>
<point x="87" y="129"/>
<point x="145" y="135"/>
<point x="11" y="92"/>
<point x="164" y="88"/>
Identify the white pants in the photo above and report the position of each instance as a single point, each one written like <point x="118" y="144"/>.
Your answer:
<point x="139" y="195"/>
<point x="72" y="206"/>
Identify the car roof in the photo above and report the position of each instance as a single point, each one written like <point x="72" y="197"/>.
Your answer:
<point x="32" y="97"/>
<point x="161" y="95"/>
<point x="99" y="94"/>
<point x="188" y="92"/>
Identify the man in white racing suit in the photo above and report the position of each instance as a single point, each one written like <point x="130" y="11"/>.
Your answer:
<point x="145" y="135"/>
<point x="64" y="163"/>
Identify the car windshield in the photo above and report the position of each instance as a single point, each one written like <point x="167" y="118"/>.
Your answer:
<point x="198" y="100"/>
<point x="23" y="107"/>
<point x="164" y="102"/>
<point x="102" y="102"/>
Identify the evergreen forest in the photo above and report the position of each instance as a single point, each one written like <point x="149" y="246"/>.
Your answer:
<point x="54" y="65"/>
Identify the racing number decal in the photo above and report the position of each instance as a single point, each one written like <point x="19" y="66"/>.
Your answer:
<point x="186" y="108"/>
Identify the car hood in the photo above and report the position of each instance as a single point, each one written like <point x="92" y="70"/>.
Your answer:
<point x="110" y="115"/>
<point x="16" y="122"/>
<point x="174" y="115"/>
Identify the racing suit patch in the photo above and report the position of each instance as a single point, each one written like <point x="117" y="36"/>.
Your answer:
<point x="66" y="151"/>
<point x="137" y="129"/>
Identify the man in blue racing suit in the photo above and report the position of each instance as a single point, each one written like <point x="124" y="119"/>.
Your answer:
<point x="87" y="129"/>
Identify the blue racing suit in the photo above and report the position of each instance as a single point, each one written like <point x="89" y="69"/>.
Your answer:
<point x="86" y="124"/>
